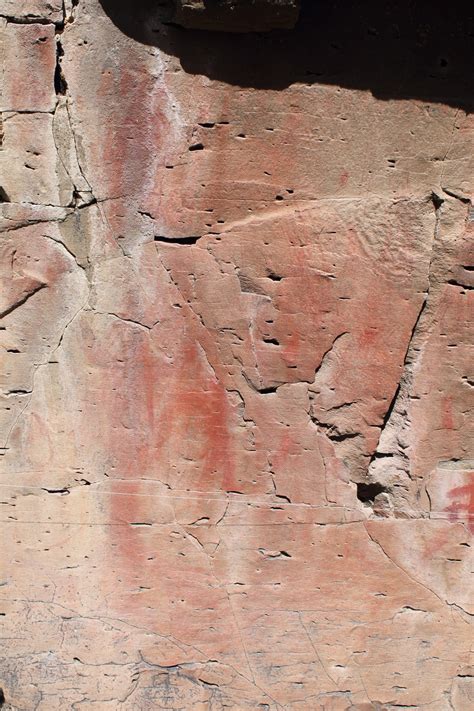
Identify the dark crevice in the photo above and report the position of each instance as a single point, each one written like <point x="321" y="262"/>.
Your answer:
<point x="342" y="436"/>
<point x="267" y="391"/>
<point x="63" y="492"/>
<point x="82" y="199"/>
<point x="30" y="20"/>
<point x="436" y="200"/>
<point x="457" y="196"/>
<point x="367" y="492"/>
<point x="3" y="195"/>
<point x="177" y="240"/>
<point x="21" y="301"/>
<point x="60" y="83"/>
<point x="454" y="282"/>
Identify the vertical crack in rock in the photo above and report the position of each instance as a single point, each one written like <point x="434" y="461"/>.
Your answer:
<point x="318" y="656"/>
<point x="389" y="467"/>
<point x="61" y="91"/>
<point x="60" y="83"/>
<point x="402" y="569"/>
<point x="64" y="134"/>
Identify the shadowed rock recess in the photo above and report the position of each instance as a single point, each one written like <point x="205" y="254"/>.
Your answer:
<point x="235" y="15"/>
<point x="237" y="370"/>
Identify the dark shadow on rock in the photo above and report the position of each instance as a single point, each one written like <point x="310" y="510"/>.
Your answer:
<point x="416" y="49"/>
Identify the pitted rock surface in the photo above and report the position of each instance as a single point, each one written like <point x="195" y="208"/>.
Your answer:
<point x="237" y="372"/>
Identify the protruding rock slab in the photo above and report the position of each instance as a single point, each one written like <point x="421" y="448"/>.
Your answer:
<point x="33" y="10"/>
<point x="237" y="15"/>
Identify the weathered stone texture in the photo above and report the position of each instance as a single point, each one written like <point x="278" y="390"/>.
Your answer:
<point x="34" y="10"/>
<point x="237" y="381"/>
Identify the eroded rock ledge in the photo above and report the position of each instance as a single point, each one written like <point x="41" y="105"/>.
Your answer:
<point x="236" y="15"/>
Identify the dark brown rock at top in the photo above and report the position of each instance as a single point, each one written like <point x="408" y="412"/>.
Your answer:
<point x="237" y="15"/>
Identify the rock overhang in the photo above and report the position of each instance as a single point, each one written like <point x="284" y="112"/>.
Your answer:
<point x="236" y="15"/>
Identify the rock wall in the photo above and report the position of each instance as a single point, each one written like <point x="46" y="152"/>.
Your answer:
<point x="234" y="15"/>
<point x="237" y="360"/>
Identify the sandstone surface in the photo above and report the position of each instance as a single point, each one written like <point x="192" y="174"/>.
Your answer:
<point x="237" y="365"/>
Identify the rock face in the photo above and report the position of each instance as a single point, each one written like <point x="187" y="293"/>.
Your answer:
<point x="236" y="15"/>
<point x="237" y="362"/>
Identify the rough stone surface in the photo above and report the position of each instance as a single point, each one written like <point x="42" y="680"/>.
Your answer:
<point x="236" y="393"/>
<point x="236" y="15"/>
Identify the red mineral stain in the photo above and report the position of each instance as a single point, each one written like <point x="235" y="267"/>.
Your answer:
<point x="462" y="507"/>
<point x="447" y="418"/>
<point x="182" y="436"/>
<point x="135" y="123"/>
<point x="290" y="351"/>
<point x="283" y="451"/>
<point x="195" y="422"/>
<point x="368" y="337"/>
<point x="343" y="178"/>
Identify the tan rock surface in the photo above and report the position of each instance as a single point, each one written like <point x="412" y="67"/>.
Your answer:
<point x="237" y="381"/>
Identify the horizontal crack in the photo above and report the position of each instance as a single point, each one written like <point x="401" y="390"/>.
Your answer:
<point x="177" y="240"/>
